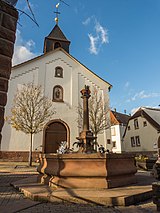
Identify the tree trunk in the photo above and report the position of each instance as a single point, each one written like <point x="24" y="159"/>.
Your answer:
<point x="30" y="152"/>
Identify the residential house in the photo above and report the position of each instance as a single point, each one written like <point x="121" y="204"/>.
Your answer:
<point x="142" y="132"/>
<point x="118" y="125"/>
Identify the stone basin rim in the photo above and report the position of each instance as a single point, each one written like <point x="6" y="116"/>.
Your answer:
<point x="85" y="155"/>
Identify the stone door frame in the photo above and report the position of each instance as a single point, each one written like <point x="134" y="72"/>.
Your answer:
<point x="56" y="121"/>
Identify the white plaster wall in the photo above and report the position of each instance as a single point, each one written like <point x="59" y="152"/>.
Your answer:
<point x="148" y="136"/>
<point x="119" y="131"/>
<point x="116" y="137"/>
<point x="12" y="139"/>
<point x="41" y="71"/>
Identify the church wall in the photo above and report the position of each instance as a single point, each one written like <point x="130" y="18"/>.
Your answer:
<point x="66" y="110"/>
<point x="13" y="140"/>
<point x="42" y="71"/>
<point x="75" y="78"/>
<point x="87" y="78"/>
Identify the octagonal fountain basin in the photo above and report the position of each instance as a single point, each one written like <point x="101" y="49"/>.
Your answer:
<point x="78" y="170"/>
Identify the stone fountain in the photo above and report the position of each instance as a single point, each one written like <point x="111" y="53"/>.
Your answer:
<point x="86" y="169"/>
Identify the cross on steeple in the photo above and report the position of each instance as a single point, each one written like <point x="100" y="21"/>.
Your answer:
<point x="57" y="13"/>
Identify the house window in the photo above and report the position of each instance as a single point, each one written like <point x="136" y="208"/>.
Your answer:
<point x="129" y="128"/>
<point x="145" y="123"/>
<point x="114" y="144"/>
<point x="132" y="142"/>
<point x="108" y="141"/>
<point x="136" y="126"/>
<point x="59" y="72"/>
<point x="138" y="141"/>
<point x="58" y="93"/>
<point x="113" y="131"/>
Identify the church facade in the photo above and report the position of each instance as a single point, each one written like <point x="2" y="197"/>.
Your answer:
<point x="62" y="77"/>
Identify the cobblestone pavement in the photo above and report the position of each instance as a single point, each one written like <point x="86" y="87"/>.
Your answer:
<point x="12" y="201"/>
<point x="77" y="208"/>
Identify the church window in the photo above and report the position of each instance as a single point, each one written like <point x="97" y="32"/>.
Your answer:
<point x="59" y="72"/>
<point x="56" y="45"/>
<point x="58" y="93"/>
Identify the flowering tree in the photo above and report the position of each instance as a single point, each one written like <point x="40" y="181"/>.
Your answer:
<point x="98" y="113"/>
<point x="30" y="111"/>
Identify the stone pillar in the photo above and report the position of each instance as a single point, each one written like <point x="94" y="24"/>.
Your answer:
<point x="8" y="22"/>
<point x="86" y="137"/>
<point x="85" y="95"/>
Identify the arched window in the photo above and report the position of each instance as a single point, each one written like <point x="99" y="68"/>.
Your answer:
<point x="59" y="72"/>
<point x="56" y="45"/>
<point x="58" y="93"/>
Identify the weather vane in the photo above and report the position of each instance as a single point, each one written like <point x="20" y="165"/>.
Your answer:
<point x="57" y="12"/>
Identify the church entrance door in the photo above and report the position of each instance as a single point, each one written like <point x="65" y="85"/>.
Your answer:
<point x="54" y="134"/>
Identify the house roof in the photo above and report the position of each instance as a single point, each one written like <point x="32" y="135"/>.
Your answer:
<point x="152" y="115"/>
<point x="119" y="118"/>
<point x="55" y="50"/>
<point x="55" y="39"/>
<point x="57" y="34"/>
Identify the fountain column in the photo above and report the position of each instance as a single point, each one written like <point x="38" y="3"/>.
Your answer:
<point x="86" y="136"/>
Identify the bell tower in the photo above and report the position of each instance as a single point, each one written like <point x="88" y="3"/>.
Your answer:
<point x="56" y="38"/>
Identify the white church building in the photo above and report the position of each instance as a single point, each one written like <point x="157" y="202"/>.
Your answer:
<point x="55" y="70"/>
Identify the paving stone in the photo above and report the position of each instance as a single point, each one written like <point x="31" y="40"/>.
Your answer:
<point x="12" y="201"/>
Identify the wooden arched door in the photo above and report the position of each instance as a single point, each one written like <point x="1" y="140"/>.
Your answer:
<point x="54" y="134"/>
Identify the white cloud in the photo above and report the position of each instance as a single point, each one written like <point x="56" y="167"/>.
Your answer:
<point x="22" y="49"/>
<point x="87" y="21"/>
<point x="93" y="43"/>
<point x="102" y="32"/>
<point x="30" y="43"/>
<point x="143" y="95"/>
<point x="98" y="37"/>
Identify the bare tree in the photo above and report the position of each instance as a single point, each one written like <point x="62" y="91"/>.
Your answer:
<point x="30" y="111"/>
<point x="98" y="113"/>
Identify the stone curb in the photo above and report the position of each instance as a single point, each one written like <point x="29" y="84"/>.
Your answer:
<point x="123" y="196"/>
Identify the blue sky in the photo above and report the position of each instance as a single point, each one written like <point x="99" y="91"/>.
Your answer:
<point x="117" y="39"/>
